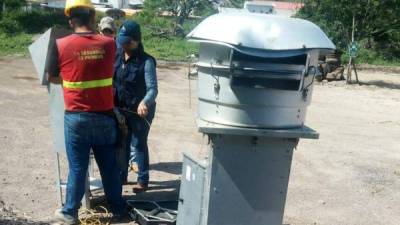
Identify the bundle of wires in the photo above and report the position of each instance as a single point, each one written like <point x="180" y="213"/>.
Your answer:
<point x="97" y="216"/>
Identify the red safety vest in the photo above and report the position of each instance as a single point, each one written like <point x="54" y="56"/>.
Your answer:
<point x="86" y="67"/>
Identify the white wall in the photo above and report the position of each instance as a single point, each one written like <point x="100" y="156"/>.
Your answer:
<point x="258" y="8"/>
<point x="114" y="3"/>
<point x="56" y="3"/>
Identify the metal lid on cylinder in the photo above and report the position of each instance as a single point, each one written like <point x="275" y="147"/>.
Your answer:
<point x="260" y="31"/>
<point x="257" y="70"/>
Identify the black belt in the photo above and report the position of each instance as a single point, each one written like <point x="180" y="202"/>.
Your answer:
<point x="107" y="112"/>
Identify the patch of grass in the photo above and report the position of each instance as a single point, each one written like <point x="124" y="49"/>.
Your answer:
<point x="16" y="32"/>
<point x="18" y="27"/>
<point x="173" y="49"/>
<point x="15" y="44"/>
<point x="381" y="62"/>
<point x="368" y="56"/>
<point x="36" y="21"/>
<point x="167" y="46"/>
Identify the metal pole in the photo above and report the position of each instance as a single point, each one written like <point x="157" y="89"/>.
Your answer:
<point x="190" y="88"/>
<point x="351" y="63"/>
<point x="91" y="168"/>
<point x="353" y="28"/>
<point x="90" y="173"/>
<point x="86" y="199"/>
<point x="58" y="181"/>
<point x="349" y="70"/>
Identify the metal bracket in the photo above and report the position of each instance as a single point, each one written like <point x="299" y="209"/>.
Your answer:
<point x="217" y="86"/>
<point x="306" y="89"/>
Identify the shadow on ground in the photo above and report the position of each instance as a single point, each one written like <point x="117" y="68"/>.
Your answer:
<point x="158" y="191"/>
<point x="168" y="167"/>
<point x="9" y="217"/>
<point x="17" y="221"/>
<point x="381" y="84"/>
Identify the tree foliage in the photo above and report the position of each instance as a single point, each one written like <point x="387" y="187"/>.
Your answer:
<point x="377" y="22"/>
<point x="12" y="4"/>
<point x="233" y="3"/>
<point x="20" y="21"/>
<point x="179" y="9"/>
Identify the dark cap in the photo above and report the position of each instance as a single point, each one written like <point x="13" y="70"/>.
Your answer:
<point x="130" y="30"/>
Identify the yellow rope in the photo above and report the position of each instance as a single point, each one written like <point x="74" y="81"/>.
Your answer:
<point x="95" y="216"/>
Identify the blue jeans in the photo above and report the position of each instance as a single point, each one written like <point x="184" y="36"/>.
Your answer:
<point x="137" y="148"/>
<point x="85" y="131"/>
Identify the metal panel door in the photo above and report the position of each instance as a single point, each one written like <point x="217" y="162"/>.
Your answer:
<point x="191" y="192"/>
<point x="249" y="180"/>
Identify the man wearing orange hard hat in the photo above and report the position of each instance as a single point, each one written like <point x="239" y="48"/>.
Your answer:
<point x="83" y="63"/>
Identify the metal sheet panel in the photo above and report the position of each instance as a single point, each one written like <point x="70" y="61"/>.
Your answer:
<point x="213" y="128"/>
<point x="249" y="180"/>
<point x="259" y="52"/>
<point x="56" y="107"/>
<point x="191" y="192"/>
<point x="218" y="55"/>
<point x="38" y="51"/>
<point x="261" y="31"/>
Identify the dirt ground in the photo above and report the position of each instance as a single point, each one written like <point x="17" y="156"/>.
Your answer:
<point x="350" y="176"/>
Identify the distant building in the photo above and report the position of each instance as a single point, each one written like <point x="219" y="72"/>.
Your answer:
<point x="287" y="9"/>
<point x="230" y="10"/>
<point x="55" y="3"/>
<point x="119" y="4"/>
<point x="259" y="7"/>
<point x="273" y="7"/>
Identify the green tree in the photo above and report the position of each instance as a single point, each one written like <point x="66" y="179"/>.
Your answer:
<point x="233" y="3"/>
<point x="10" y="5"/>
<point x="179" y="9"/>
<point x="377" y="22"/>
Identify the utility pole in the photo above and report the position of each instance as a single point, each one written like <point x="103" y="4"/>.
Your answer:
<point x="352" y="53"/>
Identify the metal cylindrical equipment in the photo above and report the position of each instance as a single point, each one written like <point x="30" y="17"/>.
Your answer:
<point x="248" y="90"/>
<point x="256" y="78"/>
<point x="254" y="71"/>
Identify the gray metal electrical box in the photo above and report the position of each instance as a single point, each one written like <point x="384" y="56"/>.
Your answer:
<point x="245" y="178"/>
<point x="255" y="80"/>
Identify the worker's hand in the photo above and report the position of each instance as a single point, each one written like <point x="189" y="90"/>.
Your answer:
<point x="54" y="79"/>
<point x="142" y="110"/>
